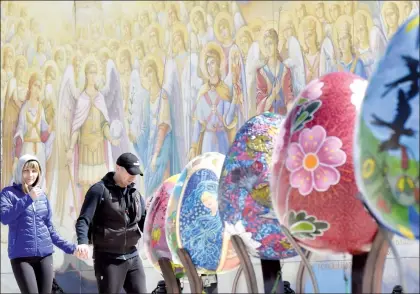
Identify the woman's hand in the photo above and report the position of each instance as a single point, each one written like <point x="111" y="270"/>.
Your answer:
<point x="35" y="193"/>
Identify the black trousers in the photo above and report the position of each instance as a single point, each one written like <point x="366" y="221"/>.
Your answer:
<point x="270" y="269"/>
<point x="33" y="274"/>
<point x="113" y="274"/>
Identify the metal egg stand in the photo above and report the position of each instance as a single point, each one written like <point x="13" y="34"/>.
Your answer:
<point x="366" y="273"/>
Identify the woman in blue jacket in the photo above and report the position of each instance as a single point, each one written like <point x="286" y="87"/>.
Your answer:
<point x="25" y="208"/>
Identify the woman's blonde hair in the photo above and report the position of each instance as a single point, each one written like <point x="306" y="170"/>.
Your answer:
<point x="31" y="164"/>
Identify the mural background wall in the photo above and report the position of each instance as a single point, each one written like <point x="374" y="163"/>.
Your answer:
<point x="82" y="82"/>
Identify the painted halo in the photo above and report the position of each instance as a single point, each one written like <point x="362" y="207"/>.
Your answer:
<point x="155" y="242"/>
<point x="313" y="186"/>
<point x="387" y="135"/>
<point x="192" y="217"/>
<point x="244" y="193"/>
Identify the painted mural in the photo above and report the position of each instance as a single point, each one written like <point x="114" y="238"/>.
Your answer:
<point x="82" y="82"/>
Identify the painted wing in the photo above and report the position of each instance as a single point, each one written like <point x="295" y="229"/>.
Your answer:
<point x="67" y="99"/>
<point x="30" y="54"/>
<point x="377" y="41"/>
<point x="137" y="97"/>
<point x="114" y="103"/>
<point x="184" y="12"/>
<point x="172" y="86"/>
<point x="238" y="19"/>
<point x="253" y="62"/>
<point x="297" y="66"/>
<point x="378" y="19"/>
<point x="327" y="58"/>
<point x="68" y="95"/>
<point x="191" y="84"/>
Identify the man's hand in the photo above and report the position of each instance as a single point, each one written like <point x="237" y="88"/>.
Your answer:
<point x="82" y="251"/>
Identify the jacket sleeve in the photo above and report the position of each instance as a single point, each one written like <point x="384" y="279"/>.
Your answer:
<point x="11" y="211"/>
<point x="142" y="212"/>
<point x="57" y="240"/>
<point x="87" y="212"/>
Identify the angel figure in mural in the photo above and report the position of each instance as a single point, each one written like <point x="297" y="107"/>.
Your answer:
<point x="145" y="19"/>
<point x="71" y="86"/>
<point x="287" y="28"/>
<point x="185" y="8"/>
<point x="347" y="59"/>
<point x="156" y="143"/>
<point x="173" y="16"/>
<point x="158" y="8"/>
<point x="290" y="51"/>
<point x="236" y="81"/>
<point x="213" y="9"/>
<point x="369" y="40"/>
<point x="37" y="57"/>
<point x="224" y="31"/>
<point x="408" y="9"/>
<point x="191" y="83"/>
<point x="202" y="32"/>
<point x="273" y="80"/>
<point x="33" y="134"/>
<point x="49" y="103"/>
<point x="14" y="98"/>
<point x="334" y="10"/>
<point x="88" y="129"/>
<point x="232" y="8"/>
<point x="139" y="52"/>
<point x="215" y="120"/>
<point x="3" y="82"/>
<point x="391" y="17"/>
<point x="256" y="26"/>
<point x="60" y="58"/>
<point x="321" y="15"/>
<point x="179" y="46"/>
<point x="8" y="60"/>
<point x="7" y="69"/>
<point x="133" y="95"/>
<point x="318" y="53"/>
<point x="155" y="40"/>
<point x="244" y="40"/>
<point x="300" y="11"/>
<point x="19" y="41"/>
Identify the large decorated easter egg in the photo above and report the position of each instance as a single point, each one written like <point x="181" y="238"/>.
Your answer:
<point x="313" y="185"/>
<point x="244" y="189"/>
<point x="155" y="243"/>
<point x="193" y="221"/>
<point x="387" y="137"/>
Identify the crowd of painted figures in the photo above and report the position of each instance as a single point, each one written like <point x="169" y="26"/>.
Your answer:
<point x="172" y="80"/>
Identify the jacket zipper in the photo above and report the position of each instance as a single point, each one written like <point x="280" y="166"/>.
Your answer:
<point x="36" y="243"/>
<point x="125" y="224"/>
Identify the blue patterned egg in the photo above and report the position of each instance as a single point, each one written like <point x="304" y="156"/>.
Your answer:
<point x="193" y="221"/>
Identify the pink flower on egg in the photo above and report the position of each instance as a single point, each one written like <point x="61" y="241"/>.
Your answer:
<point x="313" y="161"/>
<point x="313" y="90"/>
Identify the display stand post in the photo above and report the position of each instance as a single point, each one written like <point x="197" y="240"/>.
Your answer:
<point x="169" y="276"/>
<point x="196" y="284"/>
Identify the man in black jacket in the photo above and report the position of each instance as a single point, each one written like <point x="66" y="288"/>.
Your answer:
<point x="111" y="217"/>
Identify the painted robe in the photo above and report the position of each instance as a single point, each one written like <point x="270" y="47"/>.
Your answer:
<point x="265" y="83"/>
<point x="215" y="120"/>
<point x="156" y="113"/>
